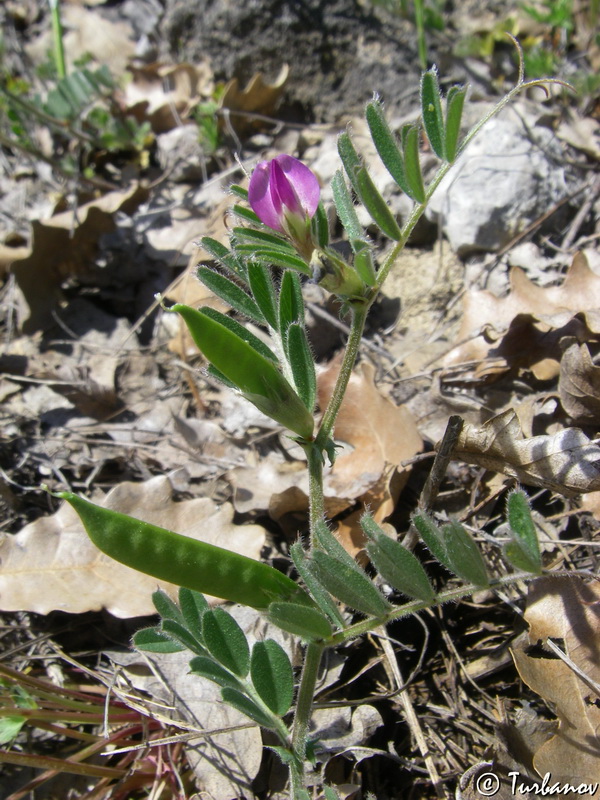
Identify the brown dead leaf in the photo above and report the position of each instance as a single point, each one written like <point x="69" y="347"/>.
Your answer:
<point x="165" y="94"/>
<point x="376" y="436"/>
<point x="258" y="97"/>
<point x="57" y="553"/>
<point x="569" y="610"/>
<point x="579" y="383"/>
<point x="566" y="462"/>
<point x="64" y="246"/>
<point x="516" y="327"/>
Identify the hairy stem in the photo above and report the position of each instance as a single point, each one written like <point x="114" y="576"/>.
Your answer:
<point x="304" y="704"/>
<point x="315" y="488"/>
<point x="359" y="315"/>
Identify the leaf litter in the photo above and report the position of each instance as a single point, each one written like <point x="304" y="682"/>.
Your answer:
<point x="99" y="407"/>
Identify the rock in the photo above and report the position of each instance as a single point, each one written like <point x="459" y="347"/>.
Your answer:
<point x="339" y="51"/>
<point x="509" y="176"/>
<point x="180" y="153"/>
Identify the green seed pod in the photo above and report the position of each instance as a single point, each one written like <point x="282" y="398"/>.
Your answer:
<point x="184" y="561"/>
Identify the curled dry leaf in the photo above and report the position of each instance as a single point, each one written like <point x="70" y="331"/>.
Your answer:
<point x="514" y="329"/>
<point x="579" y="384"/>
<point x="165" y="94"/>
<point x="569" y="610"/>
<point x="55" y="553"/>
<point x="257" y="98"/>
<point x="566" y="462"/>
<point x="65" y="246"/>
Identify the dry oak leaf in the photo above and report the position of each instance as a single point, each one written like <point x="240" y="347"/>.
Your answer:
<point x="569" y="610"/>
<point x="64" y="246"/>
<point x="376" y="436"/>
<point x="579" y="383"/>
<point x="486" y="318"/>
<point x="165" y="94"/>
<point x="257" y="99"/>
<point x="51" y="564"/>
<point x="566" y="462"/>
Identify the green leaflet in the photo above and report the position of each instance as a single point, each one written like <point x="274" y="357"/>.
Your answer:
<point x="166" y="607"/>
<point x="397" y="565"/>
<point x="302" y="364"/>
<point x="320" y="226"/>
<point x="247" y="706"/>
<point x="322" y="597"/>
<point x="455" y="102"/>
<point x="345" y="207"/>
<point x="263" y="239"/>
<point x="256" y="377"/>
<point x="213" y="671"/>
<point x="308" y="623"/>
<point x="263" y="291"/>
<point x="226" y="641"/>
<point x="363" y="262"/>
<point x="431" y="110"/>
<point x="348" y="584"/>
<point x="412" y="165"/>
<point x="181" y="634"/>
<point x="524" y="551"/>
<point x="193" y="605"/>
<point x="272" y="676"/>
<point x="377" y="207"/>
<point x="231" y="293"/>
<point x="350" y="158"/>
<point x="273" y="257"/>
<point x="453" y="547"/>
<point x="291" y="303"/>
<point x="464" y="555"/>
<point x="387" y="146"/>
<point x="224" y="256"/>
<point x="154" y="641"/>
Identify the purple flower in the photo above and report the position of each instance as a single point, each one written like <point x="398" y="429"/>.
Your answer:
<point x="284" y="194"/>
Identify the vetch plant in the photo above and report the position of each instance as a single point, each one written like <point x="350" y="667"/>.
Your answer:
<point x="282" y="238"/>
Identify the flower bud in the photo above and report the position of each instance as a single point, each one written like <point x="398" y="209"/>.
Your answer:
<point x="284" y="194"/>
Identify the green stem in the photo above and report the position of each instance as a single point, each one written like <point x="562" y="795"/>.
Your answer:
<point x="452" y="595"/>
<point x="420" y="24"/>
<point x="359" y="315"/>
<point x="316" y="499"/>
<point x="304" y="705"/>
<point x="57" y="36"/>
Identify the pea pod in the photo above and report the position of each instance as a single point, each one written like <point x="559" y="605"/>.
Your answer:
<point x="184" y="561"/>
<point x="256" y="377"/>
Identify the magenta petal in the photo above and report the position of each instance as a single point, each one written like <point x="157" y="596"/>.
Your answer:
<point x="260" y="199"/>
<point x="303" y="182"/>
<point x="283" y="193"/>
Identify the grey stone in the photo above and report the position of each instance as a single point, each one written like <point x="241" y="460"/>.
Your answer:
<point x="509" y="176"/>
<point x="180" y="154"/>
